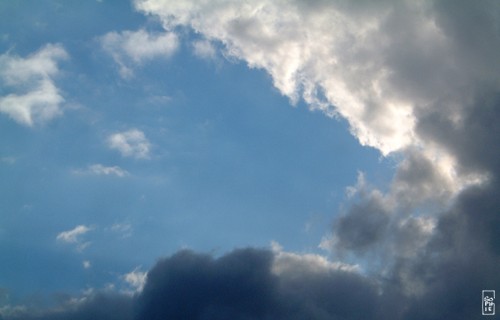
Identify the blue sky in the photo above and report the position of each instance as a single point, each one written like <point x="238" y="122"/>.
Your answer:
<point x="350" y="147"/>
<point x="230" y="162"/>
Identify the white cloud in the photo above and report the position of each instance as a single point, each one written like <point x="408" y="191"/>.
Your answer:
<point x="295" y="263"/>
<point x="34" y="97"/>
<point x="74" y="236"/>
<point x="86" y="264"/>
<point x="131" y="143"/>
<point x="136" y="279"/>
<point x="99" y="169"/>
<point x="138" y="46"/>
<point x="381" y="67"/>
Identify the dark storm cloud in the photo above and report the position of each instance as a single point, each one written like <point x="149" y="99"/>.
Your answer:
<point x="239" y="285"/>
<point x="475" y="139"/>
<point x="459" y="262"/>
<point x="192" y="286"/>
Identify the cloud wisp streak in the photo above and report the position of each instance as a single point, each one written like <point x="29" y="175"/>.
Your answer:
<point x="99" y="169"/>
<point x="129" y="48"/>
<point x="75" y="236"/>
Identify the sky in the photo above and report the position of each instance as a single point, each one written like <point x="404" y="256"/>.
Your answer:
<point x="249" y="159"/>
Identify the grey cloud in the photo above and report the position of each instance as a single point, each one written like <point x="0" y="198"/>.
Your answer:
<point x="474" y="138"/>
<point x="242" y="285"/>
<point x="363" y="225"/>
<point x="238" y="285"/>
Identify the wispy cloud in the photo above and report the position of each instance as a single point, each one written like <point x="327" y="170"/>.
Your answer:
<point x="34" y="96"/>
<point x="204" y="49"/>
<point x="131" y="143"/>
<point x="123" y="229"/>
<point x="136" y="47"/>
<point x="75" y="236"/>
<point x="99" y="169"/>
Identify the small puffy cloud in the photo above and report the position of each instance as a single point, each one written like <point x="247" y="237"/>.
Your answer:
<point x="136" y="279"/>
<point x="99" y="169"/>
<point x="204" y="49"/>
<point x="136" y="47"/>
<point x="131" y="143"/>
<point x="74" y="236"/>
<point x="33" y="95"/>
<point x="86" y="264"/>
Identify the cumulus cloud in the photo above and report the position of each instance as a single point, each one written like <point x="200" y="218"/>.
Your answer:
<point x="131" y="143"/>
<point x="415" y="79"/>
<point x="99" y="169"/>
<point x="273" y="284"/>
<point x="137" y="47"/>
<point x="382" y="67"/>
<point x="33" y="96"/>
<point x="238" y="285"/>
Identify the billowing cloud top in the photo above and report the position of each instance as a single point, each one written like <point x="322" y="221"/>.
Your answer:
<point x="384" y="67"/>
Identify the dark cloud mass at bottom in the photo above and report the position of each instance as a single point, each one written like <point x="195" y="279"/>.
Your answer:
<point x="459" y="261"/>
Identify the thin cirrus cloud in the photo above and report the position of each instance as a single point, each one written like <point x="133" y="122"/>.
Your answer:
<point x="129" y="48"/>
<point x="33" y="95"/>
<point x="99" y="169"/>
<point x="132" y="143"/>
